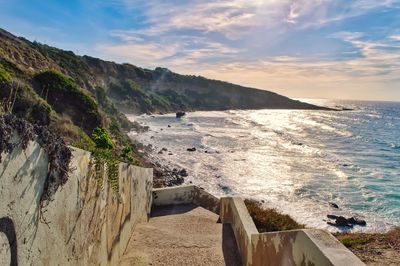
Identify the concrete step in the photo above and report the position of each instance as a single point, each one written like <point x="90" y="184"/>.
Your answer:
<point x="182" y="235"/>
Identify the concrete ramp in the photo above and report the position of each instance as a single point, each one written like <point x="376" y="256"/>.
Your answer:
<point x="183" y="234"/>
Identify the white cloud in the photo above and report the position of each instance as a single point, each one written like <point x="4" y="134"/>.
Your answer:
<point x="216" y="38"/>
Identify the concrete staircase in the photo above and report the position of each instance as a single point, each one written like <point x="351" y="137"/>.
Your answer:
<point x="189" y="226"/>
<point x="184" y="234"/>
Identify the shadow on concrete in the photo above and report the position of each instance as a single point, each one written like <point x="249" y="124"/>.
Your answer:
<point x="7" y="227"/>
<point x="229" y="247"/>
<point x="171" y="209"/>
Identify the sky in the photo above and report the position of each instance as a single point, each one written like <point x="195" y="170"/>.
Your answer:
<point x="338" y="49"/>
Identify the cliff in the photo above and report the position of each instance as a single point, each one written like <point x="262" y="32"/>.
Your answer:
<point x="139" y="90"/>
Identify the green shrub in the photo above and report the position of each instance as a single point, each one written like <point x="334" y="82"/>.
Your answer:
<point x="128" y="155"/>
<point x="4" y="75"/>
<point x="53" y="80"/>
<point x="355" y="241"/>
<point x="67" y="98"/>
<point x="102" y="139"/>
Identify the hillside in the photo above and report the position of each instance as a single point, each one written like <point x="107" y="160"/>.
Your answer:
<point x="75" y="94"/>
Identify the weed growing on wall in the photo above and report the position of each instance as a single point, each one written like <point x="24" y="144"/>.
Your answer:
<point x="104" y="159"/>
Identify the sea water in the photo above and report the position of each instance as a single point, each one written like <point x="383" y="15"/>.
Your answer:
<point x="294" y="160"/>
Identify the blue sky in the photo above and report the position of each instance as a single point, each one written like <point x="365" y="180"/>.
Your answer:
<point x="310" y="48"/>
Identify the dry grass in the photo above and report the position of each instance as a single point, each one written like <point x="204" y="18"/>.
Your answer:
<point x="72" y="134"/>
<point x="270" y="220"/>
<point x="374" y="249"/>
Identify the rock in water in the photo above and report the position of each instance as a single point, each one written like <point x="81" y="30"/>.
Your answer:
<point x="334" y="205"/>
<point x="180" y="114"/>
<point x="183" y="173"/>
<point x="357" y="221"/>
<point x="331" y="216"/>
<point x="340" y="221"/>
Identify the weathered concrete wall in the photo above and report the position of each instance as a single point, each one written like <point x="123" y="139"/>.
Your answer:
<point x="300" y="247"/>
<point x="184" y="195"/>
<point x="234" y="212"/>
<point x="85" y="224"/>
<point x="296" y="247"/>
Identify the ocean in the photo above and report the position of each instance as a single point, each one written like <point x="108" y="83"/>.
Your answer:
<point x="293" y="160"/>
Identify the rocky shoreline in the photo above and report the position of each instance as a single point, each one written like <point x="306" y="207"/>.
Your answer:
<point x="163" y="175"/>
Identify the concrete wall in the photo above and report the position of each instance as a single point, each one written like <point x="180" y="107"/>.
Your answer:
<point x="295" y="247"/>
<point x="85" y="224"/>
<point x="185" y="195"/>
<point x="234" y="212"/>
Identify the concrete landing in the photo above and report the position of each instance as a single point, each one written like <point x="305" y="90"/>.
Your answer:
<point x="182" y="235"/>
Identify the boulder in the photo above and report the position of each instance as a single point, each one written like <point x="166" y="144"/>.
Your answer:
<point x="191" y="149"/>
<point x="357" y="221"/>
<point x="334" y="205"/>
<point x="341" y="221"/>
<point x="331" y="216"/>
<point x="180" y="114"/>
<point x="183" y="173"/>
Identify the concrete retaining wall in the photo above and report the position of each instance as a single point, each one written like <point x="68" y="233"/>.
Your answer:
<point x="85" y="224"/>
<point x="296" y="247"/>
<point x="185" y="195"/>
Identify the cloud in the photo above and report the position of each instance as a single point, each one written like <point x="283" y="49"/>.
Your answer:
<point x="253" y="43"/>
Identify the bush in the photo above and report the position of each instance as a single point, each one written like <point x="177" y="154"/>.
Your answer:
<point x="128" y="153"/>
<point x="67" y="98"/>
<point x="102" y="139"/>
<point x="269" y="220"/>
<point x="4" y="75"/>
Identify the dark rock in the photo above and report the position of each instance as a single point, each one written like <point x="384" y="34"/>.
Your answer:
<point x="180" y="114"/>
<point x="191" y="149"/>
<point x="183" y="173"/>
<point x="205" y="151"/>
<point x="164" y="149"/>
<point x="357" y="221"/>
<point x="161" y="129"/>
<point x="169" y="125"/>
<point x="331" y="216"/>
<point x="170" y="153"/>
<point x="160" y="152"/>
<point x="262" y="201"/>
<point x="334" y="205"/>
<point x="341" y="221"/>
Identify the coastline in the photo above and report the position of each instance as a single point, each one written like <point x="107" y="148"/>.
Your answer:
<point x="378" y="250"/>
<point x="371" y="248"/>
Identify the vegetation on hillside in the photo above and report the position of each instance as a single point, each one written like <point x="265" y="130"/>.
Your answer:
<point x="270" y="220"/>
<point x="382" y="249"/>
